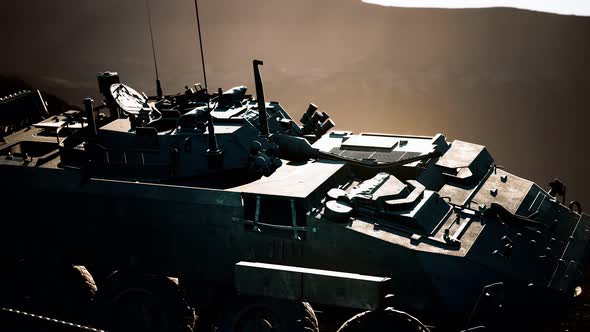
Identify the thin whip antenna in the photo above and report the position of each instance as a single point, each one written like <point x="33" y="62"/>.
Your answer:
<point x="158" y="85"/>
<point x="201" y="44"/>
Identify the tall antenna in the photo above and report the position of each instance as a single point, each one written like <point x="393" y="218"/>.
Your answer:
<point x="201" y="44"/>
<point x="158" y="85"/>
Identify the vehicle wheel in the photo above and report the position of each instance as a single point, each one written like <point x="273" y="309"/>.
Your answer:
<point x="578" y="315"/>
<point x="143" y="302"/>
<point x="387" y="320"/>
<point x="57" y="290"/>
<point x="249" y="314"/>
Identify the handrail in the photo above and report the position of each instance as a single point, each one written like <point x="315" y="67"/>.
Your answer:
<point x="279" y="227"/>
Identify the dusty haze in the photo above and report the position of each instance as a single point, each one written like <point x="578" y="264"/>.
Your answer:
<point x="516" y="81"/>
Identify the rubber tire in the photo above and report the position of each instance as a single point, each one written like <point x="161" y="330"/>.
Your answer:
<point x="387" y="320"/>
<point x="61" y="291"/>
<point x="286" y="316"/>
<point x="163" y="296"/>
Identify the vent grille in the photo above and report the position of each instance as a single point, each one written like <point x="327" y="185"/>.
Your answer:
<point x="387" y="157"/>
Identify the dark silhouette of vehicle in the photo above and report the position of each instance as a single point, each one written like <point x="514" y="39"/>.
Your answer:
<point x="223" y="205"/>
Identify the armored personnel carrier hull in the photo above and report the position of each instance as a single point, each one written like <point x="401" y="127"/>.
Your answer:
<point x="256" y="216"/>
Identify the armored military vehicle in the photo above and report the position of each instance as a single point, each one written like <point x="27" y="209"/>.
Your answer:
<point x="221" y="203"/>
